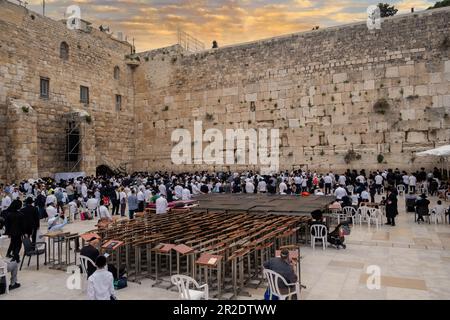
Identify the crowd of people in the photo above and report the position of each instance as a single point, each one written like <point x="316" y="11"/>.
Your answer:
<point x="60" y="202"/>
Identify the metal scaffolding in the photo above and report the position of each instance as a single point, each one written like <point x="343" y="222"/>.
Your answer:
<point x="74" y="138"/>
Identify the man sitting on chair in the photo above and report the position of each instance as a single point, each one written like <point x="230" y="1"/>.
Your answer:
<point x="282" y="266"/>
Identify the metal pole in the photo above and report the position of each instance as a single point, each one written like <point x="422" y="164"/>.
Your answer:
<point x="43" y="8"/>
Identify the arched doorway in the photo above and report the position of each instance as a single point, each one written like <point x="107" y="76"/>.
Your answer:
<point x="104" y="170"/>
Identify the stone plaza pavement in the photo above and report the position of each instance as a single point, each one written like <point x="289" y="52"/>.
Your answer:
<point x="414" y="261"/>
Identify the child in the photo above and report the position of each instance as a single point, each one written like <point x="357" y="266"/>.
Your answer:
<point x="101" y="282"/>
<point x="439" y="210"/>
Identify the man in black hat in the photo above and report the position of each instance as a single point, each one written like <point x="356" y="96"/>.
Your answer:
<point x="422" y="207"/>
<point x="31" y="219"/>
<point x="282" y="266"/>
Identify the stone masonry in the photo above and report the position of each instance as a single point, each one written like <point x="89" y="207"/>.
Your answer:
<point x="383" y="94"/>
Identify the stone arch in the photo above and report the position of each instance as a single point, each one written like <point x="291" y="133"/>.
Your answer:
<point x="116" y="73"/>
<point x="64" y="51"/>
<point x="104" y="170"/>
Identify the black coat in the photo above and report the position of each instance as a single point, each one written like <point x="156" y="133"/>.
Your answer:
<point x="391" y="205"/>
<point x="15" y="224"/>
<point x="31" y="218"/>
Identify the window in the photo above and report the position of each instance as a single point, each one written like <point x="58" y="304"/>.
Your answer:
<point x="116" y="73"/>
<point x="64" y="51"/>
<point x="118" y="102"/>
<point x="45" y="87"/>
<point x="84" y="94"/>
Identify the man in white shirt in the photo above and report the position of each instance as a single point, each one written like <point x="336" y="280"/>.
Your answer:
<point x="103" y="212"/>
<point x="412" y="183"/>
<point x="162" y="189"/>
<point x="340" y="193"/>
<point x="73" y="209"/>
<point x="161" y="204"/>
<point x="378" y="182"/>
<point x="360" y="179"/>
<point x="365" y="196"/>
<point x="262" y="186"/>
<point x="283" y="187"/>
<point x="92" y="205"/>
<point x="195" y="188"/>
<point x="342" y="180"/>
<point x="186" y="194"/>
<point x="141" y="199"/>
<point x="405" y="179"/>
<point x="51" y="199"/>
<point x="51" y="211"/>
<point x="178" y="191"/>
<point x="249" y="187"/>
<point x="6" y="201"/>
<point x="101" y="282"/>
<point x="328" y="181"/>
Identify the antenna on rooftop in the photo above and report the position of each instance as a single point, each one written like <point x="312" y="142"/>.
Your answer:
<point x="43" y="8"/>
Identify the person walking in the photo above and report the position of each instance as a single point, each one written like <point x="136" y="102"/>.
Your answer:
<point x="391" y="207"/>
<point x="15" y="225"/>
<point x="31" y="219"/>
<point x="422" y="209"/>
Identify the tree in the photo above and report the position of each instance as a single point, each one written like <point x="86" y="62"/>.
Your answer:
<point x="387" y="10"/>
<point x="440" y="4"/>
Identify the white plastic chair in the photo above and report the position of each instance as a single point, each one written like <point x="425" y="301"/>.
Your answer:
<point x="273" y="279"/>
<point x="338" y="215"/>
<point x="4" y="274"/>
<point x="435" y="215"/>
<point x="316" y="234"/>
<point x="401" y="190"/>
<point x="183" y="284"/>
<point x="350" y="213"/>
<point x="362" y="214"/>
<point x="84" y="267"/>
<point x="374" y="215"/>
<point x="92" y="208"/>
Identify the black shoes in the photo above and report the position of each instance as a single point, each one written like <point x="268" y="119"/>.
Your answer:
<point x="388" y="223"/>
<point x="14" y="286"/>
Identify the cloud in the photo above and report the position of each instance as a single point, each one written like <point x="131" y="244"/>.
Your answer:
<point x="153" y="23"/>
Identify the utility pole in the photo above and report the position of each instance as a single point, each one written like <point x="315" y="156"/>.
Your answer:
<point x="43" y="8"/>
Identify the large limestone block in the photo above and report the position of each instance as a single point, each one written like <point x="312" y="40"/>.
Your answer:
<point x="417" y="137"/>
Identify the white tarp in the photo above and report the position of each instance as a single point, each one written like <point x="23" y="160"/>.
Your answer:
<point x="443" y="151"/>
<point x="68" y="175"/>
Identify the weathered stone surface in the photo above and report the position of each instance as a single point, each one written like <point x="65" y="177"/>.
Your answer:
<point x="318" y="88"/>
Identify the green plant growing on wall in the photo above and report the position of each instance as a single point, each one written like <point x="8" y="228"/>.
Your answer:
<point x="381" y="106"/>
<point x="165" y="108"/>
<point x="25" y="109"/>
<point x="310" y="104"/>
<point x="209" y="117"/>
<point x="335" y="88"/>
<point x="380" y="158"/>
<point x="88" y="119"/>
<point x="412" y="97"/>
<point x="350" y="156"/>
<point x="332" y="98"/>
<point x="322" y="153"/>
<point x="401" y="91"/>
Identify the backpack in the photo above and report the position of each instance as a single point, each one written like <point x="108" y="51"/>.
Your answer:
<point x="120" y="283"/>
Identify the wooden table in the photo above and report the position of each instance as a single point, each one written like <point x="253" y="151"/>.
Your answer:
<point x="114" y="247"/>
<point x="53" y="237"/>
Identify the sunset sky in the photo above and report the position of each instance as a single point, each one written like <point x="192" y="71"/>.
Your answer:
<point x="153" y="23"/>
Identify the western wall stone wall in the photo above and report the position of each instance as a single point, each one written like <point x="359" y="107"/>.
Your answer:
<point x="319" y="88"/>
<point x="30" y="49"/>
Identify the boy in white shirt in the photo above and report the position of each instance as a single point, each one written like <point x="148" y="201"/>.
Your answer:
<point x="101" y="282"/>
